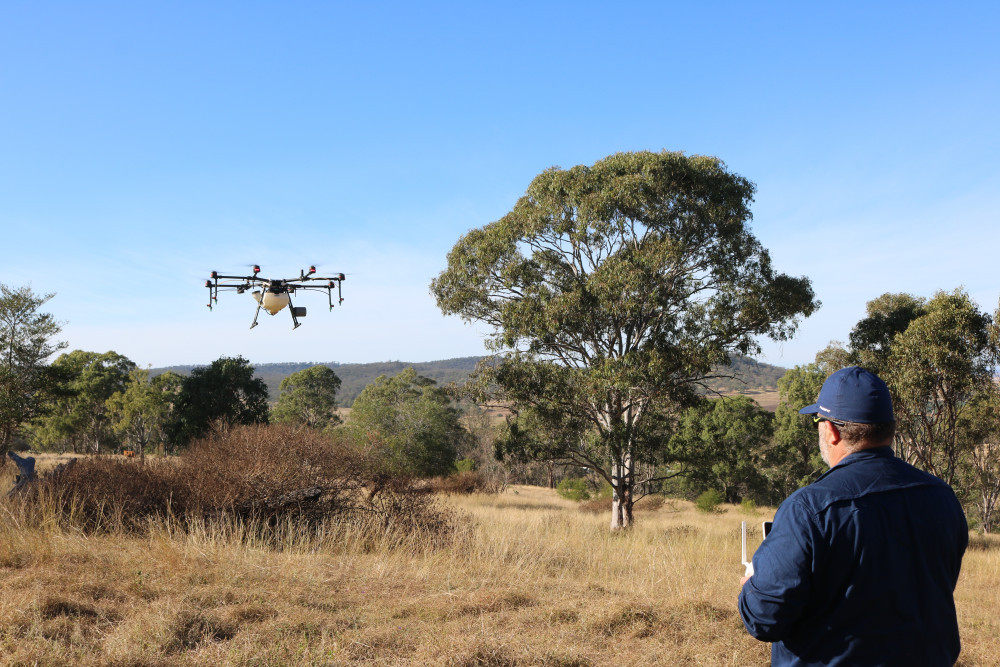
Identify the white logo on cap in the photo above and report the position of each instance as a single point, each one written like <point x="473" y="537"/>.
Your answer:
<point x="822" y="408"/>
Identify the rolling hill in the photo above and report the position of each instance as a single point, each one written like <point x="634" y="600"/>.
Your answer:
<point x="759" y="380"/>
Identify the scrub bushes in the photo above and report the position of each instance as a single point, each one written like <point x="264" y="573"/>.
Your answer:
<point x="255" y="475"/>
<point x="709" y="501"/>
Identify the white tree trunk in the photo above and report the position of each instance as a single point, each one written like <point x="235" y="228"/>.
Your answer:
<point x="622" y="481"/>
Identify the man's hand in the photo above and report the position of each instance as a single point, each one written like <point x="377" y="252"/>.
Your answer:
<point x="743" y="581"/>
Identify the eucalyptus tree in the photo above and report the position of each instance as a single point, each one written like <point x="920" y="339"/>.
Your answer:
<point x="224" y="392"/>
<point x="140" y="410"/>
<point x="872" y="338"/>
<point x="722" y="442"/>
<point x="81" y="415"/>
<point x="412" y="421"/>
<point x="612" y="292"/>
<point x="936" y="368"/>
<point x="794" y="459"/>
<point x="27" y="340"/>
<point x="980" y="476"/>
<point x="309" y="397"/>
<point x="796" y="451"/>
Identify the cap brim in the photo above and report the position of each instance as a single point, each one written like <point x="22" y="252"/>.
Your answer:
<point x="810" y="409"/>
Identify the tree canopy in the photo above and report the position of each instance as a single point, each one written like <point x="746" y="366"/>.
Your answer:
<point x="723" y="442"/>
<point x="412" y="420"/>
<point x="309" y="397"/>
<point x="140" y="411"/>
<point x="80" y="416"/>
<point x="939" y="358"/>
<point x="224" y="391"/>
<point x="27" y="340"/>
<point x="935" y="368"/>
<point x="613" y="291"/>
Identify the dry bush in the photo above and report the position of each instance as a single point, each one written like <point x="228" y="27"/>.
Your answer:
<point x="465" y="482"/>
<point x="109" y="493"/>
<point x="259" y="476"/>
<point x="272" y="470"/>
<point x="596" y="506"/>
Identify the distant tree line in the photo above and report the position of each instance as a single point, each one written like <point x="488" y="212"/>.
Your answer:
<point x="939" y="357"/>
<point x="355" y="377"/>
<point x="102" y="402"/>
<point x="743" y="374"/>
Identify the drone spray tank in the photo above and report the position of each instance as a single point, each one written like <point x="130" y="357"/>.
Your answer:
<point x="271" y="302"/>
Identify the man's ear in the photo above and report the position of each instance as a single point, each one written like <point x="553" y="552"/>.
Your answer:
<point x="834" y="433"/>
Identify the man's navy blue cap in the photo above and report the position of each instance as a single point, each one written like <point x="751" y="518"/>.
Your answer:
<point x="853" y="394"/>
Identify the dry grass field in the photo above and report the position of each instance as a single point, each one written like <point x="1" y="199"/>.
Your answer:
<point x="526" y="579"/>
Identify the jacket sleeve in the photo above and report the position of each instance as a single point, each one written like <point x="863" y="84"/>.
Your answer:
<point x="775" y="597"/>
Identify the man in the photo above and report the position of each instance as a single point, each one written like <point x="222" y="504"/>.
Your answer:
<point x="860" y="566"/>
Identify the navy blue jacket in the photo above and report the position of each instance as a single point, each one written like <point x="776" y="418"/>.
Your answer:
<point x="860" y="568"/>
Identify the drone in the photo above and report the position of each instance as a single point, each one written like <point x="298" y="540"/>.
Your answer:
<point x="274" y="294"/>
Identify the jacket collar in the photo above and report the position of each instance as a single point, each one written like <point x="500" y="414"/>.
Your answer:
<point x="863" y="455"/>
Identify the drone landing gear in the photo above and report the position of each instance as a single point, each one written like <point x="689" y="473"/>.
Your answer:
<point x="255" y="315"/>
<point x="296" y="313"/>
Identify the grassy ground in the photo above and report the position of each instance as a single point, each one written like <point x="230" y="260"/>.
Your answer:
<point x="528" y="579"/>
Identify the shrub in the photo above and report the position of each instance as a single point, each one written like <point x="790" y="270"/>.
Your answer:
<point x="257" y="475"/>
<point x="573" y="489"/>
<point x="649" y="503"/>
<point x="748" y="506"/>
<point x="596" y="506"/>
<point x="465" y="465"/>
<point x="709" y="501"/>
<point x="469" y="481"/>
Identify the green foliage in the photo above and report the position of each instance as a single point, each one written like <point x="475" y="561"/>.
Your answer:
<point x="139" y="413"/>
<point x="614" y="291"/>
<point x="27" y="384"/>
<point x="573" y="489"/>
<point x="412" y="421"/>
<point x="748" y="507"/>
<point x="979" y="477"/>
<point x="80" y="417"/>
<point x="309" y="397"/>
<point x="936" y="367"/>
<point x="225" y="391"/>
<point x="794" y="457"/>
<point x="939" y="358"/>
<point x="721" y="444"/>
<point x="465" y="465"/>
<point x="872" y="338"/>
<point x="709" y="501"/>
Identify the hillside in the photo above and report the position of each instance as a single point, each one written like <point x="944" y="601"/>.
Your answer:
<point x="748" y="376"/>
<point x="355" y="377"/>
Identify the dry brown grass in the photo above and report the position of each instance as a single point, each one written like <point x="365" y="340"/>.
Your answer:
<point x="527" y="579"/>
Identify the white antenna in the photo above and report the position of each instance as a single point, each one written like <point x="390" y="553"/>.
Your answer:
<point x="747" y="564"/>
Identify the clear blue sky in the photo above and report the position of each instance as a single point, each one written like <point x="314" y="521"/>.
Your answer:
<point x="145" y="144"/>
